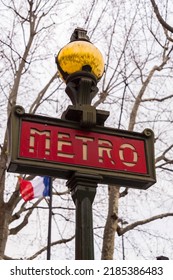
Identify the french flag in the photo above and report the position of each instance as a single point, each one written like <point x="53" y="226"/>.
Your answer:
<point x="36" y="188"/>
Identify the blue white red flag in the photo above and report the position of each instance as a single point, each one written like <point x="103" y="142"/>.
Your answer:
<point x="36" y="188"/>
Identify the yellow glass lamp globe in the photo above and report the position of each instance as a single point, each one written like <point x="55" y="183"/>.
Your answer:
<point x="80" y="56"/>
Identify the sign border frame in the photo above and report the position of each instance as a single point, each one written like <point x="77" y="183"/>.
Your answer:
<point x="17" y="164"/>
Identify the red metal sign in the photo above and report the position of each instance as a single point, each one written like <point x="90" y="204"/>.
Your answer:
<point x="41" y="145"/>
<point x="78" y="147"/>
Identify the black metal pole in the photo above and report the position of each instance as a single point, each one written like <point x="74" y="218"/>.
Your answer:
<point x="123" y="249"/>
<point x="83" y="190"/>
<point x="49" y="222"/>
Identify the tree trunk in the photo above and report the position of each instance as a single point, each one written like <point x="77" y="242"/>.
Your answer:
<point x="111" y="224"/>
<point x="5" y="217"/>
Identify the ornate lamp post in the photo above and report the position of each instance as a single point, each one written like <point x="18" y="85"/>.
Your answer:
<point x="81" y="66"/>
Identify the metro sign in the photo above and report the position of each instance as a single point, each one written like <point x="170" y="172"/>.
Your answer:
<point x="77" y="147"/>
<point x="55" y="147"/>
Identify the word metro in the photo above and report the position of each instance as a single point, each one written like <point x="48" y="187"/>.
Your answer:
<point x="77" y="147"/>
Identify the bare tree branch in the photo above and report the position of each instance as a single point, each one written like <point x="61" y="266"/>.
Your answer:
<point x="123" y="193"/>
<point x="15" y="230"/>
<point x="122" y="231"/>
<point x="162" y="157"/>
<point x="40" y="95"/>
<point x="52" y="244"/>
<point x="145" y="84"/>
<point x="159" y="17"/>
<point x="43" y="249"/>
<point x="157" y="99"/>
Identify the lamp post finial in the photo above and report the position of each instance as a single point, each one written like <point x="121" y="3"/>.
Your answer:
<point x="79" y="34"/>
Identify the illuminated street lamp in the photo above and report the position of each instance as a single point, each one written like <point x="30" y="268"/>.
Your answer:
<point x="81" y="66"/>
<point x="79" y="57"/>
